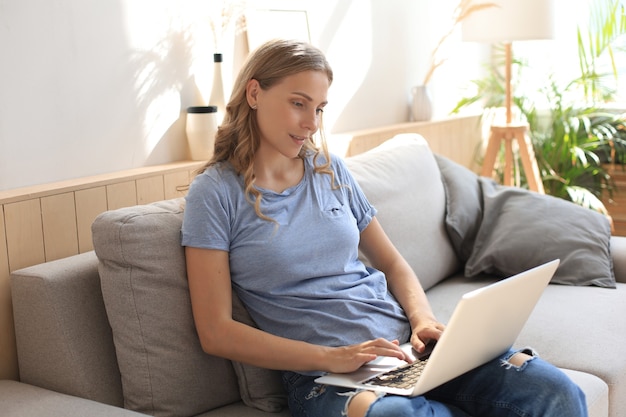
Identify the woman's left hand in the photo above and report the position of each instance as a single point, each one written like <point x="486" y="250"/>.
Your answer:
<point x="428" y="330"/>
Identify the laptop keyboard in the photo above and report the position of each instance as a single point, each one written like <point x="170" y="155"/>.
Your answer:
<point x="402" y="377"/>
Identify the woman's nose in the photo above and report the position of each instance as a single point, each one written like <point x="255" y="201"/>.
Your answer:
<point x="311" y="121"/>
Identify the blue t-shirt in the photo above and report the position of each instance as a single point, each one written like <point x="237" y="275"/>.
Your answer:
<point x="302" y="279"/>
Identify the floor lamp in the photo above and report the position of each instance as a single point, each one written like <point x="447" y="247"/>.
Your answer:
<point x="508" y="21"/>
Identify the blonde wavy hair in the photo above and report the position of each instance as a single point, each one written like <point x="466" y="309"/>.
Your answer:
<point x="238" y="137"/>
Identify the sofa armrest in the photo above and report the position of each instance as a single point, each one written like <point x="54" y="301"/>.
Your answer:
<point x="618" y="253"/>
<point x="24" y="400"/>
<point x="64" y="341"/>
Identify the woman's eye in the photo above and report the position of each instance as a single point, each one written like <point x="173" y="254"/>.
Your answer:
<point x="319" y="111"/>
<point x="298" y="104"/>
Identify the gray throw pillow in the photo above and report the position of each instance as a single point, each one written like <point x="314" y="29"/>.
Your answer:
<point x="259" y="387"/>
<point x="521" y="229"/>
<point x="463" y="205"/>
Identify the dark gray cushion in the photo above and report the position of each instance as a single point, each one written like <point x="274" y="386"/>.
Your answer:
<point x="463" y="205"/>
<point x="506" y="230"/>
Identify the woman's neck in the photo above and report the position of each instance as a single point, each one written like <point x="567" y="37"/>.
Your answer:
<point x="279" y="174"/>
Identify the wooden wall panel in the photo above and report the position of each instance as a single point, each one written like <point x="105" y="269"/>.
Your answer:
<point x="24" y="232"/>
<point x="60" y="235"/>
<point x="89" y="203"/>
<point x="123" y="194"/>
<point x="456" y="138"/>
<point x="150" y="190"/>
<point x="8" y="362"/>
<point x="174" y="184"/>
<point x="4" y="259"/>
<point x="8" y="351"/>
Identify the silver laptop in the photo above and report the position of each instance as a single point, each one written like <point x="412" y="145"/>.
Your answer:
<point x="484" y="325"/>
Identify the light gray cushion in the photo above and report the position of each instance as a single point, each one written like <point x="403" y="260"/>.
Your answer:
<point x="402" y="180"/>
<point x="505" y="230"/>
<point x="144" y="285"/>
<point x="596" y="392"/>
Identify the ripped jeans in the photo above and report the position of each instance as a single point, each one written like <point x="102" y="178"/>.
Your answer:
<point x="498" y="388"/>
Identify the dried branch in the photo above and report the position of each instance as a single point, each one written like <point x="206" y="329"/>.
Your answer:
<point x="231" y="12"/>
<point x="461" y="12"/>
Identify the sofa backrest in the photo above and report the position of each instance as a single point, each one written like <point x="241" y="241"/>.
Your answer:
<point x="402" y="180"/>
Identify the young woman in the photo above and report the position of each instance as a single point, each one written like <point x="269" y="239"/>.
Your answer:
<point x="278" y="220"/>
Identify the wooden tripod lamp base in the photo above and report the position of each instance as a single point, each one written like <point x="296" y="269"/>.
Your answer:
<point x="508" y="134"/>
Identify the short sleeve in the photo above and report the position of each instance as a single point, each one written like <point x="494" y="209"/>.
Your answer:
<point x="361" y="208"/>
<point x="206" y="220"/>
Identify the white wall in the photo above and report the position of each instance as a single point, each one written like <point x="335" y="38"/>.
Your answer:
<point x="92" y="86"/>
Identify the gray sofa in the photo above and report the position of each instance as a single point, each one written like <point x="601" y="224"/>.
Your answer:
<point x="106" y="332"/>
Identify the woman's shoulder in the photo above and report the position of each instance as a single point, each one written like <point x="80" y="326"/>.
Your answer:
<point x="217" y="171"/>
<point x="217" y="176"/>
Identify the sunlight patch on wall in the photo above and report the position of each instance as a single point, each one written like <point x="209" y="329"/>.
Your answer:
<point x="161" y="113"/>
<point x="354" y="34"/>
<point x="163" y="52"/>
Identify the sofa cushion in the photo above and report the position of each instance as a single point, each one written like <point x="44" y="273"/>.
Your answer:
<point x="522" y="229"/>
<point x="402" y="180"/>
<point x="463" y="205"/>
<point x="144" y="285"/>
<point x="505" y="230"/>
<point x="259" y="388"/>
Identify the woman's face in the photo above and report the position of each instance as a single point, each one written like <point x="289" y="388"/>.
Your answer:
<point x="289" y="112"/>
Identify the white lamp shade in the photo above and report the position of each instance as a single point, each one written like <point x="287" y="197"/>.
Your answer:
<point x="510" y="20"/>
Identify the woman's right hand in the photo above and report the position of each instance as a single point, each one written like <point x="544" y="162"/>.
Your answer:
<point x="350" y="358"/>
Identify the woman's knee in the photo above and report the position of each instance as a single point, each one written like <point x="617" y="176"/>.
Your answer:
<point x="519" y="359"/>
<point x="559" y="394"/>
<point x="360" y="403"/>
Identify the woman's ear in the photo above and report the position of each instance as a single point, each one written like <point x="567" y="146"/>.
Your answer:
<point x="252" y="90"/>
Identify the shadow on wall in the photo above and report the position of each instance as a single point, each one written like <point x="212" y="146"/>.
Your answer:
<point x="164" y="88"/>
<point x="371" y="80"/>
<point x="110" y="81"/>
<point x="68" y="62"/>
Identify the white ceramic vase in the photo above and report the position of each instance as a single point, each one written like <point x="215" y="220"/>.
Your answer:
<point x="201" y="128"/>
<point x="217" y="90"/>
<point x="421" y="104"/>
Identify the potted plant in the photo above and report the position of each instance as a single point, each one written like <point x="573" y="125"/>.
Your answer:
<point x="574" y="137"/>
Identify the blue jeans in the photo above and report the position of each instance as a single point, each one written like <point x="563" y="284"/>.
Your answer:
<point x="498" y="388"/>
